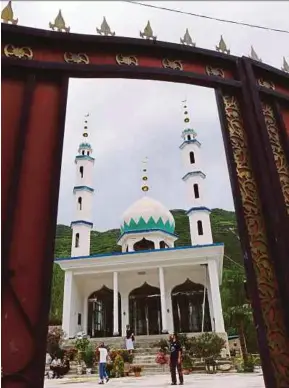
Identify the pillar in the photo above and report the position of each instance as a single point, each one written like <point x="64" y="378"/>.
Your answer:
<point x="115" y="304"/>
<point x="163" y="300"/>
<point x="124" y="313"/>
<point x="85" y="315"/>
<point x="67" y="301"/>
<point x="216" y="296"/>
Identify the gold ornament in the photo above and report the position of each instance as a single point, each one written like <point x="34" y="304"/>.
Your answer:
<point x="216" y="71"/>
<point x="126" y="60"/>
<point x="222" y="46"/>
<point x="18" y="52"/>
<point x="187" y="40"/>
<point x="266" y="84"/>
<point x="148" y="32"/>
<point x="76" y="58"/>
<point x="105" y="29"/>
<point x="7" y="14"/>
<point x="254" y="55"/>
<point x="172" y="64"/>
<point x="59" y="23"/>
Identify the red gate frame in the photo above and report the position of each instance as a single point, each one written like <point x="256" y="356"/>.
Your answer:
<point x="253" y="103"/>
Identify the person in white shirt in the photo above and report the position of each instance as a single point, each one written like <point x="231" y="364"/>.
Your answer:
<point x="103" y="353"/>
<point x="55" y="367"/>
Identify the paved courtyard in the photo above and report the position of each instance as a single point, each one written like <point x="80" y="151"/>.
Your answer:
<point x="252" y="380"/>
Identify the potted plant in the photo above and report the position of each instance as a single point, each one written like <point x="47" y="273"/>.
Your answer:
<point x="81" y="344"/>
<point x="118" y="366"/>
<point x="128" y="359"/>
<point x="89" y="359"/>
<point x="187" y="364"/>
<point x="137" y="370"/>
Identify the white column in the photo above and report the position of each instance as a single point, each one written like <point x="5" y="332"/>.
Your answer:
<point x="85" y="315"/>
<point x="216" y="296"/>
<point x="124" y="313"/>
<point x="211" y="308"/>
<point x="115" y="304"/>
<point x="170" y="316"/>
<point x="163" y="300"/>
<point x="67" y="301"/>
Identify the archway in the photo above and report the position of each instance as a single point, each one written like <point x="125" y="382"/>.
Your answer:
<point x="187" y="302"/>
<point x="145" y="310"/>
<point x="100" y="313"/>
<point x="144" y="245"/>
<point x="252" y="101"/>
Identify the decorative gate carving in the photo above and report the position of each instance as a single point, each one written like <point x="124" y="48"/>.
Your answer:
<point x="253" y="103"/>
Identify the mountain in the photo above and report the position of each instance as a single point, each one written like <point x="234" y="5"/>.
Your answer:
<point x="223" y="228"/>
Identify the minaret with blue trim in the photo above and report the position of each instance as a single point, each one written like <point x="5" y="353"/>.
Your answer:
<point x="83" y="198"/>
<point x="198" y="213"/>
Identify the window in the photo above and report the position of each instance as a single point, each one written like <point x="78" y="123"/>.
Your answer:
<point x="79" y="203"/>
<point x="87" y="153"/>
<point x="79" y="319"/>
<point x="200" y="228"/>
<point x="192" y="157"/>
<point x="81" y="171"/>
<point x="189" y="137"/>
<point x="83" y="152"/>
<point x="77" y="240"/>
<point x="196" y="191"/>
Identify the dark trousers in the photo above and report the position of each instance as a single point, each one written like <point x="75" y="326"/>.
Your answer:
<point x="174" y="366"/>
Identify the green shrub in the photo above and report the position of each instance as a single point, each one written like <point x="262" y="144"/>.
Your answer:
<point x="207" y="345"/>
<point x="118" y="366"/>
<point x="89" y="356"/>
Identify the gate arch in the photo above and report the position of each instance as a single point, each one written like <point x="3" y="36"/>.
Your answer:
<point x="253" y="103"/>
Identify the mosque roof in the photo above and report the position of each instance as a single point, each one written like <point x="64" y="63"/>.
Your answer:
<point x="147" y="214"/>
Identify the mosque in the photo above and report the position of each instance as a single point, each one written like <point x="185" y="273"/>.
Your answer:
<point x="151" y="285"/>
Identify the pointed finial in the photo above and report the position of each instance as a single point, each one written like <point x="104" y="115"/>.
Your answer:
<point x="187" y="132"/>
<point x="59" y="23"/>
<point x="285" y="66"/>
<point x="85" y="128"/>
<point x="7" y="14"/>
<point x="148" y="32"/>
<point x="187" y="40"/>
<point x="104" y="29"/>
<point x="254" y="55"/>
<point x="145" y="186"/>
<point x="222" y="46"/>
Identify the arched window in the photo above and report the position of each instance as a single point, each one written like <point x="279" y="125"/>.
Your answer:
<point x="87" y="153"/>
<point x="77" y="240"/>
<point x="189" y="137"/>
<point x="79" y="203"/>
<point x="196" y="191"/>
<point x="81" y="171"/>
<point x="200" y="228"/>
<point x="83" y="153"/>
<point x="192" y="157"/>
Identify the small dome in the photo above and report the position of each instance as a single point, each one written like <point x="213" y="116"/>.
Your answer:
<point x="189" y="132"/>
<point x="147" y="214"/>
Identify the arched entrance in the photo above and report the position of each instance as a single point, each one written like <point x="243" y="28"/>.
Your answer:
<point x="144" y="245"/>
<point x="187" y="301"/>
<point x="145" y="310"/>
<point x="100" y="313"/>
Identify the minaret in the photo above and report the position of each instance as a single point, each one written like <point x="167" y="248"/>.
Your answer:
<point x="83" y="197"/>
<point x="199" y="214"/>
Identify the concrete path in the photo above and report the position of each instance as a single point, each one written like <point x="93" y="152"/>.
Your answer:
<point x="242" y="380"/>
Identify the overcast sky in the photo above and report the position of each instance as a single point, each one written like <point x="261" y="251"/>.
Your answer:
<point x="132" y="119"/>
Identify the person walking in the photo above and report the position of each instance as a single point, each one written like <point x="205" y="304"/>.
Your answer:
<point x="129" y="339"/>
<point x="103" y="354"/>
<point x="176" y="360"/>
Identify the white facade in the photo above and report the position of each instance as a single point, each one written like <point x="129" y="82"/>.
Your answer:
<point x="124" y="272"/>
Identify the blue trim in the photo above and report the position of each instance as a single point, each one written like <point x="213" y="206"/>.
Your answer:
<point x="194" y="173"/>
<point x="84" y="157"/>
<point x="137" y="252"/>
<point x="78" y="222"/>
<point x="85" y="188"/>
<point x="146" y="231"/>
<point x="199" y="208"/>
<point x="194" y="141"/>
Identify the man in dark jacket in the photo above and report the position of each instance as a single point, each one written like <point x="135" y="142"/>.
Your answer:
<point x="176" y="360"/>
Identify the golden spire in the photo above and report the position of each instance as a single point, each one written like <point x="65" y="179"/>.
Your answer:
<point x="85" y="128"/>
<point x="7" y="14"/>
<point x="59" y="23"/>
<point x="145" y="186"/>
<point x="187" y="130"/>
